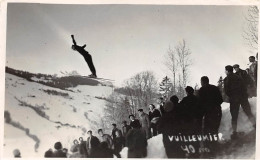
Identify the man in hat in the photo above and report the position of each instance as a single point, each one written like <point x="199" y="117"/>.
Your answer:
<point x="86" y="55"/>
<point x="243" y="74"/>
<point x="236" y="91"/>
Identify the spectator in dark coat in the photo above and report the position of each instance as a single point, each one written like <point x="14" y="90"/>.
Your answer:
<point x="92" y="145"/>
<point x="125" y="128"/>
<point x="236" y="91"/>
<point x="247" y="81"/>
<point x="136" y="142"/>
<point x="48" y="153"/>
<point x="169" y="125"/>
<point x="191" y="116"/>
<point x="104" y="151"/>
<point x="145" y="123"/>
<point x="154" y="116"/>
<point x="105" y="138"/>
<point x="210" y="99"/>
<point x="161" y="105"/>
<point x="134" y="123"/>
<point x="119" y="144"/>
<point x="114" y="131"/>
<point x="58" y="153"/>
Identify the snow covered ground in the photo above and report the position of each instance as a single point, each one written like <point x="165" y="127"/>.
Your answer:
<point x="44" y="115"/>
<point x="50" y="114"/>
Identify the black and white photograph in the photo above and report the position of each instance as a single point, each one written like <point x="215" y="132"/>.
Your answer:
<point x="161" y="81"/>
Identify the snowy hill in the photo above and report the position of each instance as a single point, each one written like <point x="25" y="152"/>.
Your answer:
<point x="39" y="115"/>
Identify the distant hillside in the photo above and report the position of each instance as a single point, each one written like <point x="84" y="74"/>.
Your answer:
<point x="57" y="82"/>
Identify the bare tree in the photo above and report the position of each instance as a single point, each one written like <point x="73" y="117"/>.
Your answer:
<point x="172" y="65"/>
<point x="178" y="62"/>
<point x="184" y="61"/>
<point x="142" y="89"/>
<point x="138" y="92"/>
<point x="250" y="33"/>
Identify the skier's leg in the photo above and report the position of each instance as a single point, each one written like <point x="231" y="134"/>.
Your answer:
<point x="90" y="64"/>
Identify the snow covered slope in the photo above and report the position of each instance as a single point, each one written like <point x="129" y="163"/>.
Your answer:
<point x="40" y="115"/>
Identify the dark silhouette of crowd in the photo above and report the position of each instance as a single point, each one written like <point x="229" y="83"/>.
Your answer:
<point x="194" y="115"/>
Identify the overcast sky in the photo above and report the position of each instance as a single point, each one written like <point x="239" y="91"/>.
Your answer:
<point x="124" y="39"/>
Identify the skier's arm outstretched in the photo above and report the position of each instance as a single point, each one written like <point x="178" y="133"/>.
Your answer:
<point x="73" y="40"/>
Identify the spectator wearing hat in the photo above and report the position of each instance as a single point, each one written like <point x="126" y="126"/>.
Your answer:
<point x="92" y="144"/>
<point x="190" y="114"/>
<point x="114" y="131"/>
<point x="125" y="128"/>
<point x="236" y="91"/>
<point x="145" y="123"/>
<point x="247" y="81"/>
<point x="105" y="138"/>
<point x="134" y="123"/>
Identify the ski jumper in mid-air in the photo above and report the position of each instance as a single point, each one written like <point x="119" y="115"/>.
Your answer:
<point x="86" y="56"/>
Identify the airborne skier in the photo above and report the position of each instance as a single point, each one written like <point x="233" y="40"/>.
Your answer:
<point x="86" y="55"/>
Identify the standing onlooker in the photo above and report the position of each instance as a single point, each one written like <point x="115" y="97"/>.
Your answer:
<point x="114" y="131"/>
<point x="82" y="147"/>
<point x="145" y="123"/>
<point x="154" y="116"/>
<point x="161" y="103"/>
<point x="210" y="100"/>
<point x="125" y="128"/>
<point x="119" y="144"/>
<point x="253" y="69"/>
<point x="190" y="112"/>
<point x="236" y="91"/>
<point x="136" y="142"/>
<point x="92" y="144"/>
<point x="105" y="138"/>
